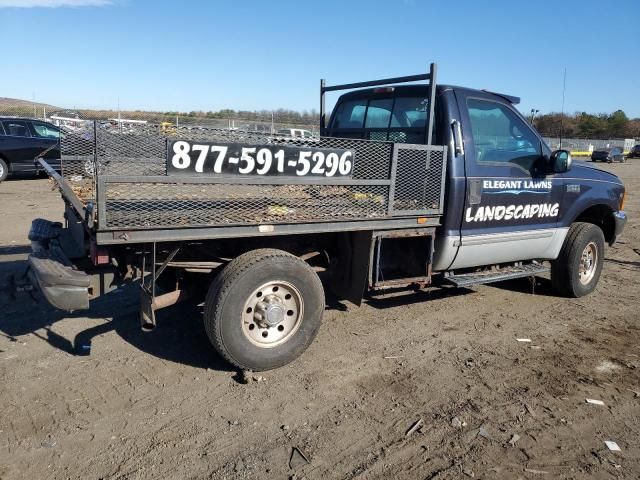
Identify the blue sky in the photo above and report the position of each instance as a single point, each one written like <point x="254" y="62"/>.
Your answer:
<point x="208" y="55"/>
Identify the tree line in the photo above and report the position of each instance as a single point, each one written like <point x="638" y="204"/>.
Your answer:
<point x="576" y="125"/>
<point x="588" y="125"/>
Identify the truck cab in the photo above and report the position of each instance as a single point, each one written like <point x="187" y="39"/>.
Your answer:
<point x="509" y="198"/>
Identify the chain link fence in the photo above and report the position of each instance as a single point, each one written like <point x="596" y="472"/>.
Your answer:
<point x="131" y="121"/>
<point x="128" y="121"/>
<point x="588" y="145"/>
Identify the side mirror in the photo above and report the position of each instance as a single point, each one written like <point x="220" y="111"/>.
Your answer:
<point x="560" y="161"/>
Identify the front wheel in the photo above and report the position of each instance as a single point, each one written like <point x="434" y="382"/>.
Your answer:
<point x="577" y="269"/>
<point x="264" y="309"/>
<point x="4" y="170"/>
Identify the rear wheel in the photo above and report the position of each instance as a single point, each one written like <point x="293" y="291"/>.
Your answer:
<point x="4" y="170"/>
<point x="264" y="309"/>
<point x="577" y="269"/>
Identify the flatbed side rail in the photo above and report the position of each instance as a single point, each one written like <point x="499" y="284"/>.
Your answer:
<point x="65" y="189"/>
<point x="122" y="181"/>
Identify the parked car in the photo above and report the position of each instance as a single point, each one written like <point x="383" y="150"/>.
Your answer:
<point x="296" y="133"/>
<point x="634" y="152"/>
<point x="22" y="140"/>
<point x="608" y="155"/>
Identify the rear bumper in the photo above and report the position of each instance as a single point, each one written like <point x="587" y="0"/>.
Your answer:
<point x="52" y="273"/>
<point x="620" y="220"/>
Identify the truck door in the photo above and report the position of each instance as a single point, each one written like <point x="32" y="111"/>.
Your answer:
<point x="511" y="206"/>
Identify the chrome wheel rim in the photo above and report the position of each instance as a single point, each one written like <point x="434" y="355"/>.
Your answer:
<point x="1" y="170"/>
<point x="272" y="314"/>
<point x="588" y="263"/>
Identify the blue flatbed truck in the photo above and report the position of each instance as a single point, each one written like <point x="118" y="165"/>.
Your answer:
<point x="408" y="186"/>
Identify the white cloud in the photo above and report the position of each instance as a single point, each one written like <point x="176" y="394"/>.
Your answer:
<point x="53" y="3"/>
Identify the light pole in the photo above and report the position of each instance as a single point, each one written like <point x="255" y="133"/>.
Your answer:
<point x="534" y="112"/>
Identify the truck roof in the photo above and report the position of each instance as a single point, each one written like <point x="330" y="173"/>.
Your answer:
<point x="421" y="90"/>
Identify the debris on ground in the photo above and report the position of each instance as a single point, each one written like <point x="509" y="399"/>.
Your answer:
<point x="468" y="473"/>
<point x="414" y="427"/>
<point x="48" y="443"/>
<point x="530" y="410"/>
<point x="457" y="423"/>
<point x="484" y="433"/>
<point x="514" y="438"/>
<point x="246" y="376"/>
<point x="297" y="458"/>
<point x="535" y="472"/>
<point x="595" y="402"/>
<point x="525" y="340"/>
<point x="613" y="446"/>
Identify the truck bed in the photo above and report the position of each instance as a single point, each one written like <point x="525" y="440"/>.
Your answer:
<point x="124" y="185"/>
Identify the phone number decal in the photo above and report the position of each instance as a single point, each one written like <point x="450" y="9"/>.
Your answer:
<point x="203" y="158"/>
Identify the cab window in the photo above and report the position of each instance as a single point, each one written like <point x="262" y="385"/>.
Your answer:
<point x="501" y="136"/>
<point x="379" y="113"/>
<point x="397" y="119"/>
<point x="409" y="112"/>
<point x="350" y="114"/>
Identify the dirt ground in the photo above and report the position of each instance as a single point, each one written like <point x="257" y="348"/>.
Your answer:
<point x="88" y="396"/>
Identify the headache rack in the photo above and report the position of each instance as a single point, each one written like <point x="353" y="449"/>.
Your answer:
<point x="119" y="183"/>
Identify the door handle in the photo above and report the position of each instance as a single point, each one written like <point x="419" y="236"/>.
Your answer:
<point x="458" y="143"/>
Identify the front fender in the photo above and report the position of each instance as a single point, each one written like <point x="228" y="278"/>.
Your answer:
<point x="591" y="194"/>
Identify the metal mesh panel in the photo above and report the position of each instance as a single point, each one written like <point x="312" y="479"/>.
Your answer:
<point x="145" y="153"/>
<point x="78" y="160"/>
<point x="418" y="180"/>
<point x="178" y="202"/>
<point x="174" y="205"/>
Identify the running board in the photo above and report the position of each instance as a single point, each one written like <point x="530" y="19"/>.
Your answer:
<point x="498" y="275"/>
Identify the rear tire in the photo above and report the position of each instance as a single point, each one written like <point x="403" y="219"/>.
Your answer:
<point x="264" y="309"/>
<point x="577" y="269"/>
<point x="4" y="170"/>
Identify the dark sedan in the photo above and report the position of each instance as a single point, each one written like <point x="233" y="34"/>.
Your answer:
<point x="22" y="140"/>
<point x="613" y="154"/>
<point x="634" y="152"/>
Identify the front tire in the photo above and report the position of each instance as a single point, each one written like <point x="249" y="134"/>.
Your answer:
<point x="577" y="269"/>
<point x="4" y="170"/>
<point x="264" y="309"/>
